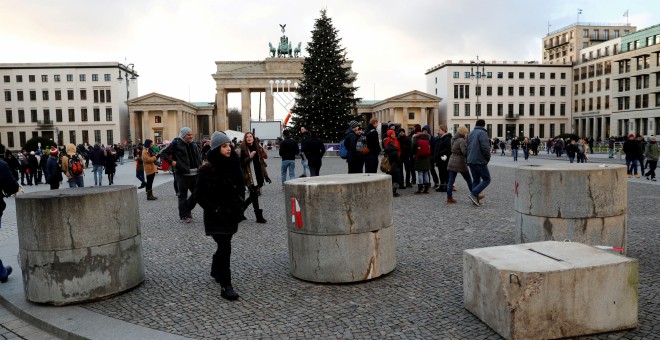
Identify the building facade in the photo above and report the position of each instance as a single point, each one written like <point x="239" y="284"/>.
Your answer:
<point x="636" y="84"/>
<point x="515" y="98"/>
<point x="407" y="109"/>
<point x="563" y="46"/>
<point x="160" y="118"/>
<point x="66" y="102"/>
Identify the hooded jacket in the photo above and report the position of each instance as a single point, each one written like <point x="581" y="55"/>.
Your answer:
<point x="458" y="161"/>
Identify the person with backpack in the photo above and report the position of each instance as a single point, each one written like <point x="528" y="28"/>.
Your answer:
<point x="72" y="166"/>
<point x="421" y="145"/>
<point x="354" y="143"/>
<point x="581" y="151"/>
<point x="9" y="186"/>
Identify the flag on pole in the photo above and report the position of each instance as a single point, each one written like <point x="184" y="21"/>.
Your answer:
<point x="625" y="14"/>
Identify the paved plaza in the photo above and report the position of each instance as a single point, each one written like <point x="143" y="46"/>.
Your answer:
<point x="421" y="299"/>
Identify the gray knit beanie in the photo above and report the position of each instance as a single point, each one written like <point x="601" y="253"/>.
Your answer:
<point x="218" y="138"/>
<point x="184" y="132"/>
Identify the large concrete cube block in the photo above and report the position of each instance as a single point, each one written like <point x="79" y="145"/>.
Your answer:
<point x="79" y="244"/>
<point x="548" y="290"/>
<point x="344" y="231"/>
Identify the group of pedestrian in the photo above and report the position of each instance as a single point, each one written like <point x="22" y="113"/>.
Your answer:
<point x="640" y="152"/>
<point x="420" y="154"/>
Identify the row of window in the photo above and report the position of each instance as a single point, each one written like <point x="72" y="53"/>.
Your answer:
<point x="510" y="75"/>
<point x="462" y="91"/>
<point x="47" y="118"/>
<point x="591" y="71"/>
<point x="100" y="95"/>
<point x="22" y="137"/>
<point x="519" y="130"/>
<point x="531" y="109"/>
<point x="597" y="101"/>
<point x="641" y="102"/>
<point x="56" y="78"/>
<point x="641" y="63"/>
<point x="598" y="87"/>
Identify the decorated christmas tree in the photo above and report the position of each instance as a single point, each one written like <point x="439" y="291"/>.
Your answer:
<point x="326" y="94"/>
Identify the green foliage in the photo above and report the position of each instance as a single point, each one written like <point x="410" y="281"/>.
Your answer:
<point x="326" y="95"/>
<point x="33" y="144"/>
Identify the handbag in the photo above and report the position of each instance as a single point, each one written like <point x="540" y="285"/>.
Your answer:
<point x="385" y="165"/>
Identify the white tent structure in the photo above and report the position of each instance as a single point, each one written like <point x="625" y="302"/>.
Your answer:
<point x="233" y="133"/>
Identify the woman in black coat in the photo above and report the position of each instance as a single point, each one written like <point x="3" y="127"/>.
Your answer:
<point x="314" y="150"/>
<point x="220" y="191"/>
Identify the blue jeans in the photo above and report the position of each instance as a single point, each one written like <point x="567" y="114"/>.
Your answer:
<point x="571" y="159"/>
<point x="479" y="173"/>
<point x="452" y="179"/>
<point x="423" y="177"/>
<point x="140" y="175"/>
<point x="291" y="166"/>
<point x="98" y="172"/>
<point x="526" y="153"/>
<point x="514" y="151"/>
<point x="303" y="161"/>
<point x="631" y="166"/>
<point x="76" y="182"/>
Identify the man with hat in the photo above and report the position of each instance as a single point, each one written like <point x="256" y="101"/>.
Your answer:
<point x="53" y="172"/>
<point x="184" y="156"/>
<point x="355" y="159"/>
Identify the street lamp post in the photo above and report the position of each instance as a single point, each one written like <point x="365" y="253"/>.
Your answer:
<point x="282" y="93"/>
<point x="479" y="67"/>
<point x="133" y="77"/>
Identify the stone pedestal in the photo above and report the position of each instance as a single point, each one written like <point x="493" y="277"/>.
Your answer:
<point x="80" y="244"/>
<point x="585" y="203"/>
<point x="548" y="290"/>
<point x="346" y="234"/>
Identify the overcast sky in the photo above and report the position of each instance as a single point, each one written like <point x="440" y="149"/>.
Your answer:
<point x="174" y="43"/>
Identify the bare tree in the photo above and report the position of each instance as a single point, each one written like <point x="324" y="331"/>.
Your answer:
<point x="234" y="119"/>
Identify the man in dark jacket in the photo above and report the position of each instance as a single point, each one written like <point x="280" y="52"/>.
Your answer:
<point x="632" y="151"/>
<point x="442" y="154"/>
<point x="9" y="186"/>
<point x="406" y="145"/>
<point x="515" y="144"/>
<point x="33" y="165"/>
<point x="478" y="156"/>
<point x="355" y="159"/>
<point x="97" y="156"/>
<point x="373" y="143"/>
<point x="185" y="157"/>
<point x="288" y="151"/>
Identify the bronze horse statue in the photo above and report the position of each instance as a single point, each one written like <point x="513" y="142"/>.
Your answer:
<point x="272" y="50"/>
<point x="296" y="51"/>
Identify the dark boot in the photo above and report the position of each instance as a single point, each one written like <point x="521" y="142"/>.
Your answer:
<point x="394" y="193"/>
<point x="426" y="188"/>
<point x="142" y="185"/>
<point x="229" y="293"/>
<point x="442" y="188"/>
<point x="150" y="196"/>
<point x="420" y="187"/>
<point x="260" y="216"/>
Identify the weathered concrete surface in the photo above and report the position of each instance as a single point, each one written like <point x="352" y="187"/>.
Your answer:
<point x="550" y="289"/>
<point x="341" y="204"/>
<point x="578" y="202"/>
<point x="79" y="245"/>
<point x="347" y="233"/>
<point x="594" y="231"/>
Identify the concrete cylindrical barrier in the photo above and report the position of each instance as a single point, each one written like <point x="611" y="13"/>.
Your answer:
<point x="343" y="231"/>
<point x="79" y="245"/>
<point x="585" y="203"/>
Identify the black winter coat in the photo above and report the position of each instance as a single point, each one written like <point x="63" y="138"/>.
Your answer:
<point x="314" y="151"/>
<point x="220" y="191"/>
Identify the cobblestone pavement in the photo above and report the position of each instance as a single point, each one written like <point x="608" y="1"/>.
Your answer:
<point x="422" y="298"/>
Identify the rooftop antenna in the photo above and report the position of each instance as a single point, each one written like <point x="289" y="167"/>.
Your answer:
<point x="549" y="27"/>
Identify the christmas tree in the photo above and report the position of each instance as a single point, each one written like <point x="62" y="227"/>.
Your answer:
<point x="326" y="99"/>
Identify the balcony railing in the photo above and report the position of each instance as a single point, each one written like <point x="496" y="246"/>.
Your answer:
<point x="511" y="116"/>
<point x="45" y="122"/>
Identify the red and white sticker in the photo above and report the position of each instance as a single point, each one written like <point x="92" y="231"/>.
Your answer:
<point x="296" y="214"/>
